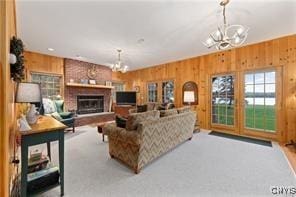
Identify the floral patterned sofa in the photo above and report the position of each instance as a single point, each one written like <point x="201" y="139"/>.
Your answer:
<point x="148" y="136"/>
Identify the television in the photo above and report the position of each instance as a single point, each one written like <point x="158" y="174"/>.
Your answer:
<point x="126" y="98"/>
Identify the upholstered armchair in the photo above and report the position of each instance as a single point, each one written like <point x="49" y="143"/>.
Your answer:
<point x="55" y="108"/>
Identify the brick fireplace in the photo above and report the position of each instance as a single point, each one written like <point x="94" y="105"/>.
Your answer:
<point x="77" y="71"/>
<point x="87" y="104"/>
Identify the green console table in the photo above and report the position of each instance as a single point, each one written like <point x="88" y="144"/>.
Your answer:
<point x="46" y="130"/>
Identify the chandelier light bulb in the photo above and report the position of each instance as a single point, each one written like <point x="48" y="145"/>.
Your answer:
<point x="240" y="30"/>
<point x="218" y="33"/>
<point x="209" y="41"/>
<point x="237" y="40"/>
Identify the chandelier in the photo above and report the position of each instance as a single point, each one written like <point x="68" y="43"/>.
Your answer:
<point x="118" y="67"/>
<point x="227" y="35"/>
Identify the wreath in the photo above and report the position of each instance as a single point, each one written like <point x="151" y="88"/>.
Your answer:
<point x="17" y="69"/>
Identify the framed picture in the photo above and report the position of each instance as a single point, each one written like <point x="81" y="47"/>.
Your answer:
<point x="83" y="81"/>
<point x="92" y="82"/>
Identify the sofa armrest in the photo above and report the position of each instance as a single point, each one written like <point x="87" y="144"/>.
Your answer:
<point x="121" y="134"/>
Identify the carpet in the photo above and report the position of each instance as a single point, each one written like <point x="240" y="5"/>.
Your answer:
<point x="242" y="138"/>
<point x="205" y="166"/>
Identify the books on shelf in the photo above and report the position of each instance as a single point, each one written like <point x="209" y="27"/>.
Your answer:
<point x="35" y="165"/>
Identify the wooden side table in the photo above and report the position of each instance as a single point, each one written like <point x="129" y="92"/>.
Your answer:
<point x="122" y="110"/>
<point x="47" y="129"/>
<point x="100" y="128"/>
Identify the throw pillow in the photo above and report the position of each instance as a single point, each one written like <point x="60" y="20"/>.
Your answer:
<point x="169" y="112"/>
<point x="57" y="116"/>
<point x="161" y="107"/>
<point x="134" y="119"/>
<point x="141" y="108"/>
<point x="59" y="105"/>
<point x="120" y="121"/>
<point x="170" y="106"/>
<point x="184" y="109"/>
<point x="49" y="106"/>
<point x="150" y="106"/>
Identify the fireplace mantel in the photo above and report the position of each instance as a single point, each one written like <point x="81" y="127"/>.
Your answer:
<point x="89" y="86"/>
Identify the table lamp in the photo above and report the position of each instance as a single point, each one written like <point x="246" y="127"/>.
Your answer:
<point x="29" y="93"/>
<point x="189" y="97"/>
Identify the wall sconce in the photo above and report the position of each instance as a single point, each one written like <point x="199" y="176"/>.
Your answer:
<point x="12" y="58"/>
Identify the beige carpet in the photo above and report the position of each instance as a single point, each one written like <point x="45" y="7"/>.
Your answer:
<point x="205" y="166"/>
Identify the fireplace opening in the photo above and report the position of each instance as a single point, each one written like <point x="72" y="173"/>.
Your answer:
<point x="87" y="104"/>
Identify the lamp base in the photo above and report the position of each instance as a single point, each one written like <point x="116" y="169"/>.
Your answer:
<point x="32" y="115"/>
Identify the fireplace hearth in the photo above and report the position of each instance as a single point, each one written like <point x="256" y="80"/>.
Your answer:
<point x="87" y="104"/>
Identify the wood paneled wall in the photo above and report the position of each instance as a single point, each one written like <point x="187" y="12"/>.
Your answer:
<point x="36" y="62"/>
<point x="7" y="106"/>
<point x="280" y="52"/>
<point x="46" y="64"/>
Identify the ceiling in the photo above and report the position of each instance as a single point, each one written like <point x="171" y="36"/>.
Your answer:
<point x="172" y="30"/>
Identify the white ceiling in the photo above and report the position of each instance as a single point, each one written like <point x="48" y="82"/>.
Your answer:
<point x="172" y="30"/>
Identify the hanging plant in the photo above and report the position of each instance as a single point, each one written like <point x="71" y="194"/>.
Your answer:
<point x="17" y="69"/>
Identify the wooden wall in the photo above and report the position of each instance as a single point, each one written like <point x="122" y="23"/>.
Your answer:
<point x="46" y="64"/>
<point x="36" y="62"/>
<point x="277" y="53"/>
<point x="7" y="106"/>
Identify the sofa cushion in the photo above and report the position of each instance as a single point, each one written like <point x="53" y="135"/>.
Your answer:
<point x="141" y="108"/>
<point x="49" y="106"/>
<point x="134" y="119"/>
<point x="169" y="112"/>
<point x="150" y="106"/>
<point x="120" y="121"/>
<point x="184" y="109"/>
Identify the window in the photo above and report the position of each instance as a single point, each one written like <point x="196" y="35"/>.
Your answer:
<point x="50" y="84"/>
<point x="260" y="100"/>
<point x="152" y="92"/>
<point x="118" y="86"/>
<point x="168" y="92"/>
<point x="223" y="100"/>
<point x="161" y="91"/>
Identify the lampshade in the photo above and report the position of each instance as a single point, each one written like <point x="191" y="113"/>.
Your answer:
<point x="189" y="96"/>
<point x="28" y="93"/>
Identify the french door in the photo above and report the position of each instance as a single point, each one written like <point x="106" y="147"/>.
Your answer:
<point x="247" y="103"/>
<point x="261" y="103"/>
<point x="223" y="102"/>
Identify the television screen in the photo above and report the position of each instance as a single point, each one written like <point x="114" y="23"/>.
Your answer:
<point x="126" y="98"/>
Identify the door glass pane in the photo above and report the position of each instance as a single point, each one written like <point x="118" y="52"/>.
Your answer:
<point x="260" y="101"/>
<point x="249" y="79"/>
<point x="223" y="100"/>
<point x="152" y="92"/>
<point x="168" y="92"/>
<point x="270" y="77"/>
<point x="259" y="78"/>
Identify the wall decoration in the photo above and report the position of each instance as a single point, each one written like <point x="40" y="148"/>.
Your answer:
<point x="17" y="69"/>
<point x="190" y="86"/>
<point x="137" y="89"/>
<point x="92" y="72"/>
<point x="83" y="81"/>
<point x="92" y="82"/>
